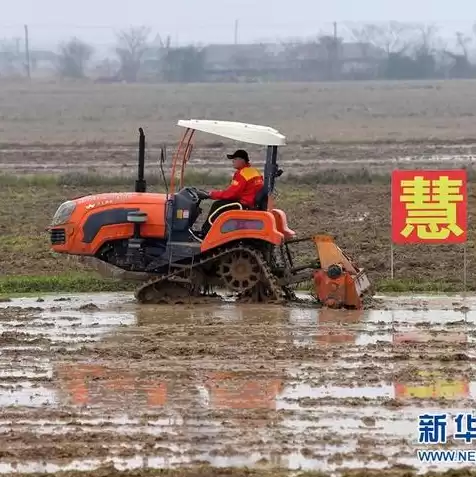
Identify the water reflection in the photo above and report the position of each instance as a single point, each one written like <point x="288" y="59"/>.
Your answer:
<point x="427" y="380"/>
<point x="433" y="385"/>
<point x="107" y="385"/>
<point x="232" y="390"/>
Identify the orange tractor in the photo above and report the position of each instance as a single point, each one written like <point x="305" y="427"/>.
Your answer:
<point x="148" y="237"/>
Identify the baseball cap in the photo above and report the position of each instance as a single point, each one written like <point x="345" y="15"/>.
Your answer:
<point x="239" y="154"/>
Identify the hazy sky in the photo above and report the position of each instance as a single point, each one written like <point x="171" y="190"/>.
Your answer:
<point x="203" y="21"/>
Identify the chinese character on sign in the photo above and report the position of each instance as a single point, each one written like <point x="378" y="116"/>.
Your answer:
<point x="432" y="429"/>
<point x="429" y="206"/>
<point x="465" y="427"/>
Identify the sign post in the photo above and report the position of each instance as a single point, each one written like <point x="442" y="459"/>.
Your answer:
<point x="430" y="207"/>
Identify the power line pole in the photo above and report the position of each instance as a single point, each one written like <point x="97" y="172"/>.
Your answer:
<point x="27" y="53"/>
<point x="335" y="55"/>
<point x="236" y="32"/>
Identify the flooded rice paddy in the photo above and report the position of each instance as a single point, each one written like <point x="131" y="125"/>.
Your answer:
<point x="97" y="379"/>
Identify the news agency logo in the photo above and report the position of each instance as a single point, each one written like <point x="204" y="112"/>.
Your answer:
<point x="432" y="456"/>
<point x="433" y="429"/>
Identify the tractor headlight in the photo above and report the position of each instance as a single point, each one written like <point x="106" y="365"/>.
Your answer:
<point x="63" y="213"/>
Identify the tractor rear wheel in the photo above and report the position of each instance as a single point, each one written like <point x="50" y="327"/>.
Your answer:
<point x="240" y="271"/>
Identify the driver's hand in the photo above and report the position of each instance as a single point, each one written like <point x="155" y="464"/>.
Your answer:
<point x="203" y="194"/>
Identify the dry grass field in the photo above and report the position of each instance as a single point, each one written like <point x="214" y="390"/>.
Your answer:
<point x="347" y="135"/>
<point x="342" y="112"/>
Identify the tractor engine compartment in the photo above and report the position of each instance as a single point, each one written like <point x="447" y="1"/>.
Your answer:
<point x="117" y="253"/>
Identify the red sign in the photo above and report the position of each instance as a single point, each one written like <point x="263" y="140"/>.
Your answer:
<point x="429" y="206"/>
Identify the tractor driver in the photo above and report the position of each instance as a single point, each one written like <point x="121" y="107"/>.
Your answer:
<point x="241" y="194"/>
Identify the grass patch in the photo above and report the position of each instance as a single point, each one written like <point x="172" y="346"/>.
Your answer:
<point x="197" y="178"/>
<point x="413" y="285"/>
<point x="405" y="286"/>
<point x="90" y="283"/>
<point x="65" y="283"/>
<point x="95" y="180"/>
<point x="22" y="243"/>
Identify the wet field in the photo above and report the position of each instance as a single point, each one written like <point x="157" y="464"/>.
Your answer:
<point x="294" y="159"/>
<point x="90" y="380"/>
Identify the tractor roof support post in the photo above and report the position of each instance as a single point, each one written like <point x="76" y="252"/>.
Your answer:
<point x="181" y="155"/>
<point x="140" y="182"/>
<point x="270" y="168"/>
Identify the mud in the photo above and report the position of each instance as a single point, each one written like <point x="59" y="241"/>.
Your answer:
<point x="95" y="380"/>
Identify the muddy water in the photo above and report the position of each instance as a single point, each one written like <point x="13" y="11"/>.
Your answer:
<point x="87" y="380"/>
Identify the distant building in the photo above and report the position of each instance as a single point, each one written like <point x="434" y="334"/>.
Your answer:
<point x="286" y="61"/>
<point x="42" y="62"/>
<point x="298" y="60"/>
<point x="241" y="56"/>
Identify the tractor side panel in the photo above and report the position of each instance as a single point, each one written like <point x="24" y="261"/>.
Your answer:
<point x="92" y="226"/>
<point x="242" y="224"/>
<point x="87" y="232"/>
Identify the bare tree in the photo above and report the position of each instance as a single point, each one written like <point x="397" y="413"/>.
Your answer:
<point x="393" y="38"/>
<point x="184" y="64"/>
<point x="424" y="51"/>
<point x="132" y="44"/>
<point x="461" y="67"/>
<point x="364" y="36"/>
<point x="463" y="41"/>
<point x="426" y="44"/>
<point x="161" y="52"/>
<point x="73" y="58"/>
<point x="332" y="47"/>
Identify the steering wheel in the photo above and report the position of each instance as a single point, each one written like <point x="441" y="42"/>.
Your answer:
<point x="193" y="193"/>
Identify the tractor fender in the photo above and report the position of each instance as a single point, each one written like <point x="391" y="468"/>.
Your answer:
<point x="234" y="225"/>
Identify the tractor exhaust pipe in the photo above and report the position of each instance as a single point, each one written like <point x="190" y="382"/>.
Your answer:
<point x="141" y="185"/>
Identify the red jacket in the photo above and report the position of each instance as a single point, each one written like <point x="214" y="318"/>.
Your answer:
<point x="244" y="186"/>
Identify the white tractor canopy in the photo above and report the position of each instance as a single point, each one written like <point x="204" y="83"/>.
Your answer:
<point x="250" y="133"/>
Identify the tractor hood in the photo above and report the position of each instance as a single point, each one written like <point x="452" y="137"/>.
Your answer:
<point x="120" y="198"/>
<point x="96" y="201"/>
